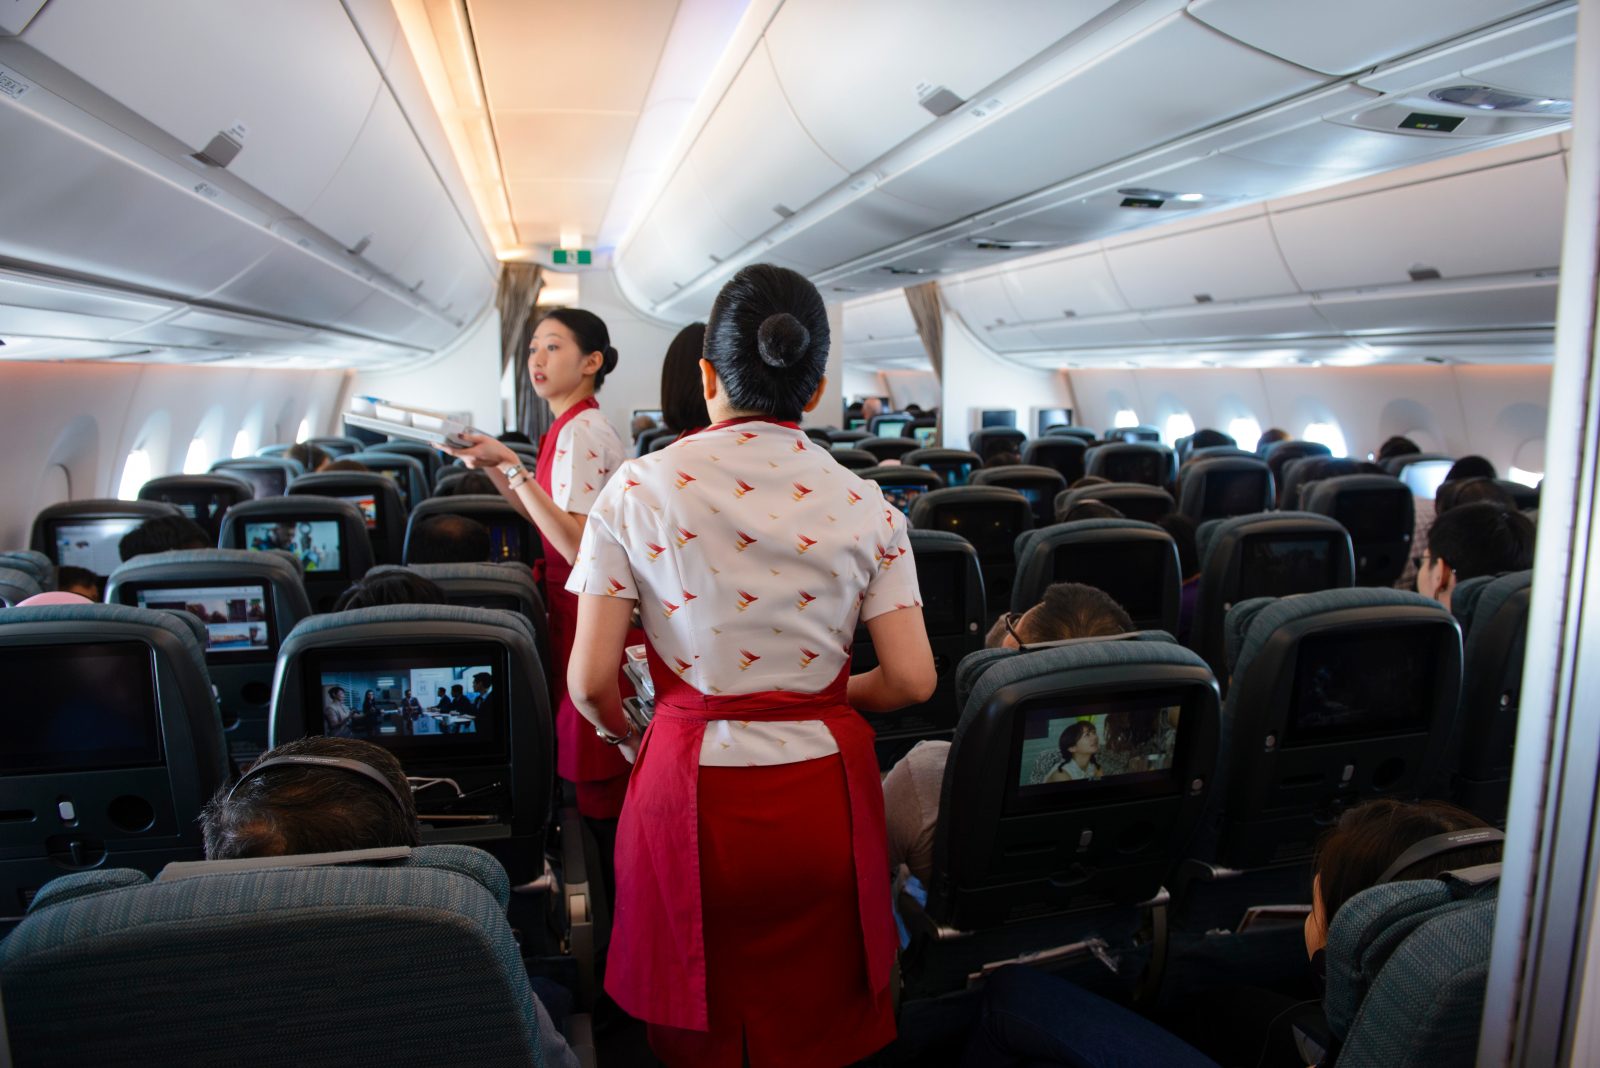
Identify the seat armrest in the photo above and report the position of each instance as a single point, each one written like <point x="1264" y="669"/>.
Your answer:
<point x="578" y="901"/>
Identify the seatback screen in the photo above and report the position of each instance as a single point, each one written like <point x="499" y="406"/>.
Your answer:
<point x="89" y="707"/>
<point x="1235" y="493"/>
<point x="236" y="616"/>
<point x="902" y="495"/>
<point x="316" y="543"/>
<point x="892" y="428"/>
<point x="1372" y="682"/>
<point x="509" y="540"/>
<point x="1282" y="566"/>
<point x="924" y="434"/>
<point x="367" y="505"/>
<point x="988" y="529"/>
<point x="1132" y="573"/>
<point x="1374" y="515"/>
<point x="91" y="543"/>
<point x="942" y="583"/>
<point x="437" y="699"/>
<point x="999" y="417"/>
<point x="268" y="481"/>
<point x="400" y="476"/>
<point x="1072" y="746"/>
<point x="953" y="474"/>
<point x="1145" y="509"/>
<point x="1147" y="467"/>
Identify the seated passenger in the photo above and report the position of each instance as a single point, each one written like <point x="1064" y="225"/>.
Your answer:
<point x="79" y="580"/>
<point x="162" y="534"/>
<point x="640" y="424"/>
<point x="1184" y="531"/>
<point x="1451" y="492"/>
<point x="310" y="457"/>
<point x="911" y="788"/>
<point x="1466" y="491"/>
<point x="1472" y="540"/>
<point x="1396" y="446"/>
<point x="1206" y="438"/>
<point x="1470" y="467"/>
<point x="448" y="539"/>
<point x="1271" y="435"/>
<point x="1002" y="458"/>
<point x="1089" y="508"/>
<point x="345" y="465"/>
<point x="395" y="586"/>
<point x="473" y="482"/>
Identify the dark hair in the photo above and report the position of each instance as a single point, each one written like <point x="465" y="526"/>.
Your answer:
<point x="683" y="397"/>
<point x="296" y="809"/>
<point x="1206" y="438"/>
<point x="589" y="331"/>
<point x="473" y="483"/>
<point x="1470" y="467"/>
<point x="345" y="465"/>
<point x="1073" y="610"/>
<point x="516" y="437"/>
<point x="448" y="539"/>
<point x="391" y="585"/>
<point x="309" y="456"/>
<point x="164" y="533"/>
<point x="1089" y="508"/>
<point x="1090" y="480"/>
<point x="67" y="575"/>
<point x="1370" y="837"/>
<point x="1071" y="736"/>
<point x="1397" y="446"/>
<point x="767" y="336"/>
<point x="1270" y="435"/>
<point x="1482" y="539"/>
<point x="1184" y="533"/>
<point x="1002" y="458"/>
<point x="1467" y="490"/>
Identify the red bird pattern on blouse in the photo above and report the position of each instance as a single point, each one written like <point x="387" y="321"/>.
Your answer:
<point x="587" y="452"/>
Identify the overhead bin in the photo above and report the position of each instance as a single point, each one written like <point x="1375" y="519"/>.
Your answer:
<point x="981" y="300"/>
<point x="1278" y="317"/>
<point x="1477" y="305"/>
<point x="875" y="221"/>
<point x="884" y="316"/>
<point x="1100" y="331"/>
<point x="677" y="240"/>
<point x="1048" y="287"/>
<point x="1231" y="259"/>
<point x="289" y="283"/>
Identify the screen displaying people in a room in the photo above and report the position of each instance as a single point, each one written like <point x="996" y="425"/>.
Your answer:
<point x="235" y="616"/>
<point x="394" y="702"/>
<point x="92" y="543"/>
<point x="315" y="542"/>
<point x="901" y="496"/>
<point x="1128" y="741"/>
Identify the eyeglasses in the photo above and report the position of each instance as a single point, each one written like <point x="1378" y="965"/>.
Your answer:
<point x="1010" y="619"/>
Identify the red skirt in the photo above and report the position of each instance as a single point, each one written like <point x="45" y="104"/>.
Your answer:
<point x="582" y="757"/>
<point x="785" y="971"/>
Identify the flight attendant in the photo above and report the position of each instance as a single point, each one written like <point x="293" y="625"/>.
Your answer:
<point x="568" y="360"/>
<point x="752" y="923"/>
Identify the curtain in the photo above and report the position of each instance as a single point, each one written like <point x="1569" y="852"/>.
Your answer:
<point x="520" y="284"/>
<point x="927" y="313"/>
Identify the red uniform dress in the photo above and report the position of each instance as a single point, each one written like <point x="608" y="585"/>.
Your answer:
<point x="753" y="887"/>
<point x="576" y="458"/>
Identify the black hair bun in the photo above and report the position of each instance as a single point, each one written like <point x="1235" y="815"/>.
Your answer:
<point x="782" y="339"/>
<point x="608" y="360"/>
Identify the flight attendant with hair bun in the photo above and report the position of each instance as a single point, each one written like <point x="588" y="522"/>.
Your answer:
<point x="568" y="360"/>
<point x="752" y="923"/>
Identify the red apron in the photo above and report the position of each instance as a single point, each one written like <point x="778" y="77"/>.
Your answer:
<point x="657" y="964"/>
<point x="581" y="756"/>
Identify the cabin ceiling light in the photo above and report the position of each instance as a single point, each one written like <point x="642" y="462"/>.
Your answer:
<point x="1488" y="98"/>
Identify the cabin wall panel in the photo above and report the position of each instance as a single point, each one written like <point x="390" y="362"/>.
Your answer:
<point x="463" y="378"/>
<point x="975" y="378"/>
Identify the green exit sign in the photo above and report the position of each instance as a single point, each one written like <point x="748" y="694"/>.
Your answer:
<point x="563" y="257"/>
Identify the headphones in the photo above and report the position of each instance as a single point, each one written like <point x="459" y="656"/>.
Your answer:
<point x="1438" y="844"/>
<point x="345" y="764"/>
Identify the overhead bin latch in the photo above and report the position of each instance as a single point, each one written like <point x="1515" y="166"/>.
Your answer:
<point x="221" y="149"/>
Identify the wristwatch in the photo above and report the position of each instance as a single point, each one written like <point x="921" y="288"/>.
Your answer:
<point x="615" y="739"/>
<point x="511" y="471"/>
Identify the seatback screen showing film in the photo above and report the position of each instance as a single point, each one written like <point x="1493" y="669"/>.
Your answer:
<point x="91" y="543"/>
<point x="1132" y="573"/>
<point x="426" y="699"/>
<point x="89" y="707"/>
<point x="367" y="505"/>
<point x="1072" y="746"/>
<point x="1372" y="682"/>
<point x="236" y="616"/>
<point x="1283" y="566"/>
<point x="400" y="476"/>
<point x="316" y="543"/>
<point x="901" y="496"/>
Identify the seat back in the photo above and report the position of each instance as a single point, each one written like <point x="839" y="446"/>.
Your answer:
<point x="408" y="473"/>
<point x="1298" y="474"/>
<point x="511" y="536"/>
<point x="111" y="759"/>
<point x="1023" y="832"/>
<point x="1135" y="500"/>
<point x="269" y="476"/>
<point x="1377" y="510"/>
<point x="647" y="442"/>
<point x="924" y="429"/>
<point x="1493" y="612"/>
<point x="1279" y="454"/>
<point x="203" y="498"/>
<point x="1271" y="554"/>
<point x="429" y="457"/>
<point x="338" y="446"/>
<point x="247" y="601"/>
<point x="854" y="459"/>
<point x="891" y="425"/>
<point x="989" y="518"/>
<point x="1527" y="497"/>
<point x="989" y="440"/>
<point x="16" y="586"/>
<point x="848" y="437"/>
<point x="328" y="536"/>
<point x="902" y="484"/>
<point x="376" y="496"/>
<point x="1132" y="434"/>
<point x="1218" y="488"/>
<point x="955" y="466"/>
<point x="36" y="565"/>
<point x="1038" y="484"/>
<point x="1209" y="452"/>
<point x="1395" y="464"/>
<point x="1082" y="433"/>
<point x="1337" y="697"/>
<point x="86" y="533"/>
<point x="1062" y="452"/>
<point x="1146" y="462"/>
<point x="250" y="960"/>
<point x="501" y="751"/>
<point x="1134" y="563"/>
<point x="888" y="448"/>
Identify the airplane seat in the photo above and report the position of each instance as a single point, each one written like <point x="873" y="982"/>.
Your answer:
<point x="822" y="435"/>
<point x="449" y="478"/>
<point x="276" y="451"/>
<point x="203" y="498"/>
<point x="120" y="747"/>
<point x="1038" y="484"/>
<point x="338" y="446"/>
<point x="991" y="440"/>
<point x="269" y="476"/>
<point x="1271" y="554"/>
<point x="661" y="441"/>
<point x="891" y="425"/>
<point x="854" y="459"/>
<point x="1132" y="434"/>
<point x="1337" y="697"/>
<point x="1396" y="464"/>
<point x="1140" y="461"/>
<point x="326" y="535"/>
<point x="1135" y="500"/>
<point x="902" y="484"/>
<point x="16" y="586"/>
<point x="951" y="585"/>
<point x="430" y="458"/>
<point x="1493" y="612"/>
<point x="1083" y="434"/>
<point x="929" y="427"/>
<point x="377" y="497"/>
<point x="647" y="440"/>
<point x="1279" y="454"/>
<point x="989" y="518"/>
<point x="885" y="449"/>
<point x="1377" y="510"/>
<point x="955" y="466"/>
<point x="847" y="437"/>
<point x="412" y="944"/>
<point x="1527" y="497"/>
<point x="86" y="533"/>
<point x="1064" y="453"/>
<point x="247" y="602"/>
<point x="1219" y="488"/>
<point x="511" y="536"/>
<point x="1030" y="853"/>
<point x="1208" y="452"/>
<point x="36" y="565"/>
<point x="1407" y="970"/>
<point x="407" y="472"/>
<point x="1135" y="563"/>
<point x="495" y="767"/>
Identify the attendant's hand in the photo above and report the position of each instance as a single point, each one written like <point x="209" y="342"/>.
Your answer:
<point x="629" y="749"/>
<point x="482" y="451"/>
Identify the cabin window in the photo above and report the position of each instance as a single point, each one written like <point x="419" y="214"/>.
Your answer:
<point x="303" y="432"/>
<point x="1527" y="478"/>
<point x="135" y="473"/>
<point x="1179" y="425"/>
<point x="242" y="445"/>
<point x="1245" y="431"/>
<point x="1125" y="417"/>
<point x="198" y="458"/>
<point x="1327" y="434"/>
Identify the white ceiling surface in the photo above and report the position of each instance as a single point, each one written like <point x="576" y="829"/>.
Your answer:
<point x="340" y="235"/>
<point x="565" y="84"/>
<point x="1066" y="102"/>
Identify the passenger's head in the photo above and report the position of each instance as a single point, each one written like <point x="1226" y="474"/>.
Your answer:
<point x="471" y="483"/>
<point x="1003" y="457"/>
<point x="1397" y="446"/>
<point x="871" y="408"/>
<point x="767" y="342"/>
<point x="310" y="457"/>
<point x="1183" y="531"/>
<point x="1472" y="540"/>
<point x="1371" y="837"/>
<point x="163" y="533"/>
<point x="316" y="807"/>
<point x="1468" y="490"/>
<point x="640" y="424"/>
<point x="1067" y="610"/>
<point x="1090" y="508"/>
<point x="1206" y="438"/>
<point x="389" y="586"/>
<point x="570" y="354"/>
<point x="1470" y="467"/>
<point x="448" y="539"/>
<point x="683" y="391"/>
<point x="346" y="465"/>
<point x="1270" y="435"/>
<point x="79" y="580"/>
